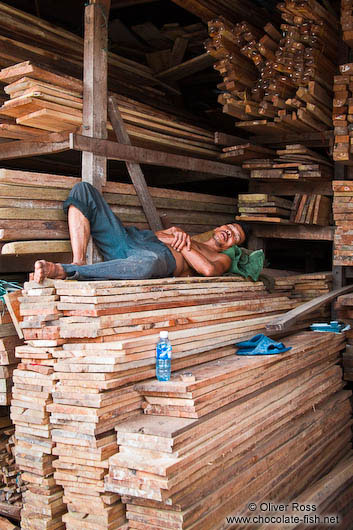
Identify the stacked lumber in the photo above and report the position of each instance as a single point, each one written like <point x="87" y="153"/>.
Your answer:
<point x="8" y="341"/>
<point x="108" y="332"/>
<point x="305" y="287"/>
<point x="330" y="495"/>
<point x="32" y="219"/>
<point x="343" y="114"/>
<point x="11" y="484"/>
<point x="295" y="162"/>
<point x="34" y="382"/>
<point x="267" y="436"/>
<point x="342" y="215"/>
<point x="239" y="153"/>
<point x="263" y="207"/>
<point x="347" y="21"/>
<point x="27" y="37"/>
<point x="344" y="311"/>
<point x="42" y="101"/>
<point x="273" y="83"/>
<point x="311" y="209"/>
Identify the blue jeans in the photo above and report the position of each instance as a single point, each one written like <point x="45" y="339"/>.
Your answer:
<point x="128" y="253"/>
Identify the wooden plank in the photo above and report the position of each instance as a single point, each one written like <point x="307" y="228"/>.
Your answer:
<point x="56" y="143"/>
<point x="285" y="322"/>
<point x="134" y="169"/>
<point x="115" y="151"/>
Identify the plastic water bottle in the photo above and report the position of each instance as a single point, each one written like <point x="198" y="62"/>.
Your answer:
<point x="163" y="357"/>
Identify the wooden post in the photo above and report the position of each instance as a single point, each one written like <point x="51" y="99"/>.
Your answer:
<point x="95" y="67"/>
<point x="134" y="169"/>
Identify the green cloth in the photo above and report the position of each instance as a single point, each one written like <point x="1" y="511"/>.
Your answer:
<point x="246" y="262"/>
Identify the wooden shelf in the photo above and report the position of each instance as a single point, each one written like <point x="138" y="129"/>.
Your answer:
<point x="58" y="142"/>
<point x="294" y="231"/>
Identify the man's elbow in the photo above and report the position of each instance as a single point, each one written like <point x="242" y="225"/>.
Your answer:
<point x="209" y="271"/>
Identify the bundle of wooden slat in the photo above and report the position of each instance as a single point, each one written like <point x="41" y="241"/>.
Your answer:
<point x="8" y="341"/>
<point x="295" y="162"/>
<point x="343" y="114"/>
<point x="290" y="85"/>
<point x="11" y="484"/>
<point x="34" y="381"/>
<point x="331" y="495"/>
<point x="24" y="36"/>
<point x="33" y="221"/>
<point x="99" y="338"/>
<point x="311" y="209"/>
<point x="43" y="101"/>
<point x="239" y="153"/>
<point x="347" y="21"/>
<point x="304" y="287"/>
<point x="343" y="216"/>
<point x="263" y="207"/>
<point x="178" y="472"/>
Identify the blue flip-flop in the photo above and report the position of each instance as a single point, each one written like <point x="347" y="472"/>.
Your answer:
<point x="264" y="346"/>
<point x="254" y="341"/>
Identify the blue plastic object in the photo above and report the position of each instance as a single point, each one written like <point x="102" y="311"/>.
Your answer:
<point x="333" y="327"/>
<point x="261" y="345"/>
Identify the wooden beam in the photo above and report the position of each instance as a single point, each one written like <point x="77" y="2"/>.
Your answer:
<point x="115" y="151"/>
<point x="316" y="138"/>
<point x="192" y="66"/>
<point x="286" y="321"/>
<point x="94" y="168"/>
<point x="23" y="149"/>
<point x="134" y="169"/>
<point x="297" y="231"/>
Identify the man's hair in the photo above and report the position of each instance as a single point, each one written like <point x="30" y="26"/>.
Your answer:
<point x="246" y="228"/>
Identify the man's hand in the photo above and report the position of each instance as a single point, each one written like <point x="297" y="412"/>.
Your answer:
<point x="181" y="239"/>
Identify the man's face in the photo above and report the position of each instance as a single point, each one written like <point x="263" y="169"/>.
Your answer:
<point x="226" y="236"/>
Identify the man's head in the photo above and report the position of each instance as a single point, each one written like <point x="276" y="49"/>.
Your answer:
<point x="226" y="236"/>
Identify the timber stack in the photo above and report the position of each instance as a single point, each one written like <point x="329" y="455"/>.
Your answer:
<point x="274" y="84"/>
<point x="343" y="114"/>
<point x="41" y="101"/>
<point x="343" y="216"/>
<point x="34" y="381"/>
<point x="347" y="21"/>
<point x="32" y="219"/>
<point x="216" y="427"/>
<point x="87" y="344"/>
<point x="345" y="312"/>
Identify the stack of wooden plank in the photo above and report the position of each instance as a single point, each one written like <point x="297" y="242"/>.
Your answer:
<point x="239" y="153"/>
<point x="27" y="37"/>
<point x="347" y="21"/>
<point x="304" y="287"/>
<point x="311" y="209"/>
<point x="343" y="216"/>
<point x="343" y="114"/>
<point x="263" y="207"/>
<point x="8" y="341"/>
<point x="344" y="311"/>
<point x="11" y="484"/>
<point x="295" y="162"/>
<point x="273" y="83"/>
<point x="34" y="381"/>
<point x="42" y="101"/>
<point x="191" y="472"/>
<point x="32" y="219"/>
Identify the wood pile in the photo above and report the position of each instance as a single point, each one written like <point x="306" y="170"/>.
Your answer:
<point x="263" y="207"/>
<point x="32" y="219"/>
<point x="347" y="21"/>
<point x="191" y="472"/>
<point x="11" y="484"/>
<point x="345" y="312"/>
<point x="331" y="494"/>
<point x="275" y="83"/>
<point x="26" y="37"/>
<point x="41" y="101"/>
<point x="343" y="216"/>
<point x="295" y="162"/>
<point x="304" y="287"/>
<point x="343" y="114"/>
<point x="87" y="343"/>
<point x="34" y="382"/>
<point x="311" y="209"/>
<point x="8" y="341"/>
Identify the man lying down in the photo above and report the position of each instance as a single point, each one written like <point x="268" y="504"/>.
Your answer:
<point x="130" y="253"/>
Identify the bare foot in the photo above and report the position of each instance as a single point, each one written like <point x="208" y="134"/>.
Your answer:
<point x="46" y="269"/>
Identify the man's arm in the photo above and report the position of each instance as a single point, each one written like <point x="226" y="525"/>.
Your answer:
<point x="175" y="237"/>
<point x="203" y="265"/>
